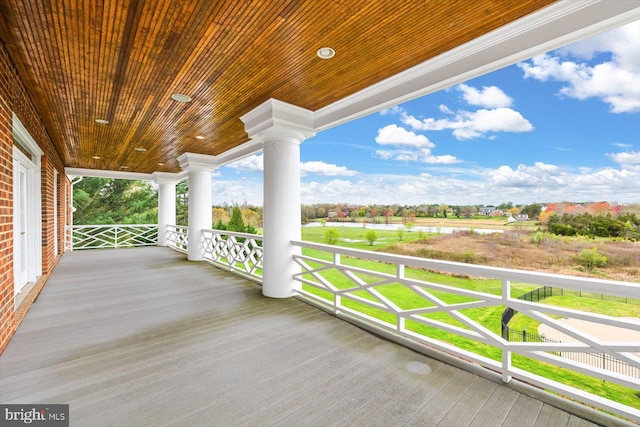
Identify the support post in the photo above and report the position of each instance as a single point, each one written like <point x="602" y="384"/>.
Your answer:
<point x="166" y="205"/>
<point x="199" y="168"/>
<point x="281" y="128"/>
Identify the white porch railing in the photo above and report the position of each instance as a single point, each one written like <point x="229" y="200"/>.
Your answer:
<point x="334" y="280"/>
<point x="110" y="236"/>
<point x="240" y="253"/>
<point x="178" y="237"/>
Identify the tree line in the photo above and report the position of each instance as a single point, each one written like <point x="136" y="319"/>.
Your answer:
<point x="116" y="201"/>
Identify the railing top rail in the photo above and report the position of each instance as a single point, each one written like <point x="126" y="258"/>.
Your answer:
<point x="610" y="287"/>
<point x="234" y="233"/>
<point x="79" y="226"/>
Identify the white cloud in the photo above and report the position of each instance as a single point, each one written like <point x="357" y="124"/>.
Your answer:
<point x="392" y="111"/>
<point x="443" y="108"/>
<point x="488" y="97"/>
<point x="538" y="182"/>
<point x="254" y="163"/>
<point x="615" y="81"/>
<point x="397" y="136"/>
<point x="322" y="168"/>
<point x="627" y="157"/>
<point x="251" y="163"/>
<point x="469" y="125"/>
<point x="408" y="146"/>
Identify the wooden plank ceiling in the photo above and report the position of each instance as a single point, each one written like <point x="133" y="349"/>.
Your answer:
<point x="121" y="61"/>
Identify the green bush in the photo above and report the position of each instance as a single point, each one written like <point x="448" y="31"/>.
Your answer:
<point x="591" y="258"/>
<point x="371" y="237"/>
<point x="331" y="236"/>
<point x="538" y="237"/>
<point x="400" y="233"/>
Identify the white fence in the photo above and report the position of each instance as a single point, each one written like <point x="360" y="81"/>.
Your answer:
<point x="396" y="302"/>
<point x="239" y="253"/>
<point x="110" y="236"/>
<point x="178" y="237"/>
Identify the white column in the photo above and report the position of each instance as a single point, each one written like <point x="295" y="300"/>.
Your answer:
<point x="199" y="168"/>
<point x="166" y="205"/>
<point x="281" y="128"/>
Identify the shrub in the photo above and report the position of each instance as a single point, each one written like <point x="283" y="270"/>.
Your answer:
<point x="331" y="236"/>
<point x="591" y="258"/>
<point x="538" y="237"/>
<point x="371" y="237"/>
<point x="400" y="233"/>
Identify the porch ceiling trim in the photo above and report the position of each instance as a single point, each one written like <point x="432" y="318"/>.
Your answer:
<point x="553" y="27"/>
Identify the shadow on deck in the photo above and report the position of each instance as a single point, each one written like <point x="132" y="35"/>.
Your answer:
<point x="144" y="337"/>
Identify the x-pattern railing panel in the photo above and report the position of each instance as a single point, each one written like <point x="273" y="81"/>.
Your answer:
<point x="348" y="288"/>
<point x="240" y="253"/>
<point x="111" y="236"/>
<point x="178" y="237"/>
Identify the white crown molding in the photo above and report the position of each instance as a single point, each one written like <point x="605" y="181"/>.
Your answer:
<point x="99" y="173"/>
<point x="277" y="119"/>
<point x="195" y="161"/>
<point x="167" y="177"/>
<point x="555" y="26"/>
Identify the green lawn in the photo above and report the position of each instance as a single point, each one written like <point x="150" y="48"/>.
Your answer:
<point x="489" y="317"/>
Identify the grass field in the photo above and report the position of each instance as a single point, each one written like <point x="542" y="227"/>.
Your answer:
<point x="489" y="317"/>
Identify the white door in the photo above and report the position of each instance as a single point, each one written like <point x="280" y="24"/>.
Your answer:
<point x="21" y="226"/>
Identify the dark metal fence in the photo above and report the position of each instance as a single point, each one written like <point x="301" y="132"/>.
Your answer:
<point x="600" y="360"/>
<point x="549" y="291"/>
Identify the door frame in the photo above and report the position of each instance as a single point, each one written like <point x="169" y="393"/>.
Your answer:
<point x="33" y="200"/>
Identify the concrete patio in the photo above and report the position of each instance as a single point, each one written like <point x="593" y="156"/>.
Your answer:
<point x="142" y="336"/>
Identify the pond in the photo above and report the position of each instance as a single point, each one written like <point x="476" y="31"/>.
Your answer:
<point x="392" y="227"/>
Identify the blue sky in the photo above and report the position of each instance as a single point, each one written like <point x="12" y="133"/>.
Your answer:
<point x="563" y="126"/>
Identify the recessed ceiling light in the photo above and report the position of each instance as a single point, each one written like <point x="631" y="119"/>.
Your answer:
<point x="181" y="98"/>
<point x="160" y="164"/>
<point x="326" y="53"/>
<point x="140" y="149"/>
<point x="199" y="137"/>
<point x="96" y="157"/>
<point x="124" y="167"/>
<point x="102" y="121"/>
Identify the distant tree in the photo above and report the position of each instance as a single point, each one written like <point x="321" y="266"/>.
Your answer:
<point x="371" y="237"/>
<point x="466" y="211"/>
<point x="114" y="201"/>
<point x="532" y="210"/>
<point x="409" y="225"/>
<point x="400" y="233"/>
<point x="182" y="202"/>
<point x="331" y="236"/>
<point x="251" y="217"/>
<point x="220" y="214"/>
<point x="442" y="210"/>
<point x="236" y="223"/>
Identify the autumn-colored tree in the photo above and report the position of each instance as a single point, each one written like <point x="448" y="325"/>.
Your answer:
<point x="514" y="211"/>
<point x="545" y="215"/>
<point x="220" y="215"/>
<point x="600" y="208"/>
<point x="251" y="217"/>
<point x="574" y="210"/>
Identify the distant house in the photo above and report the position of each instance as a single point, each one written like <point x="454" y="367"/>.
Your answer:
<point x="487" y="210"/>
<point x="522" y="217"/>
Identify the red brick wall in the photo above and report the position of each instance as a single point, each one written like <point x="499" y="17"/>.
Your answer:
<point x="15" y="99"/>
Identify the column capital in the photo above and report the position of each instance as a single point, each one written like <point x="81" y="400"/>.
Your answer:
<point x="194" y="161"/>
<point x="165" y="178"/>
<point x="279" y="120"/>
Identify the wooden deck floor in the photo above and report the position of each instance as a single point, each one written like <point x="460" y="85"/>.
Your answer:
<point x="143" y="337"/>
